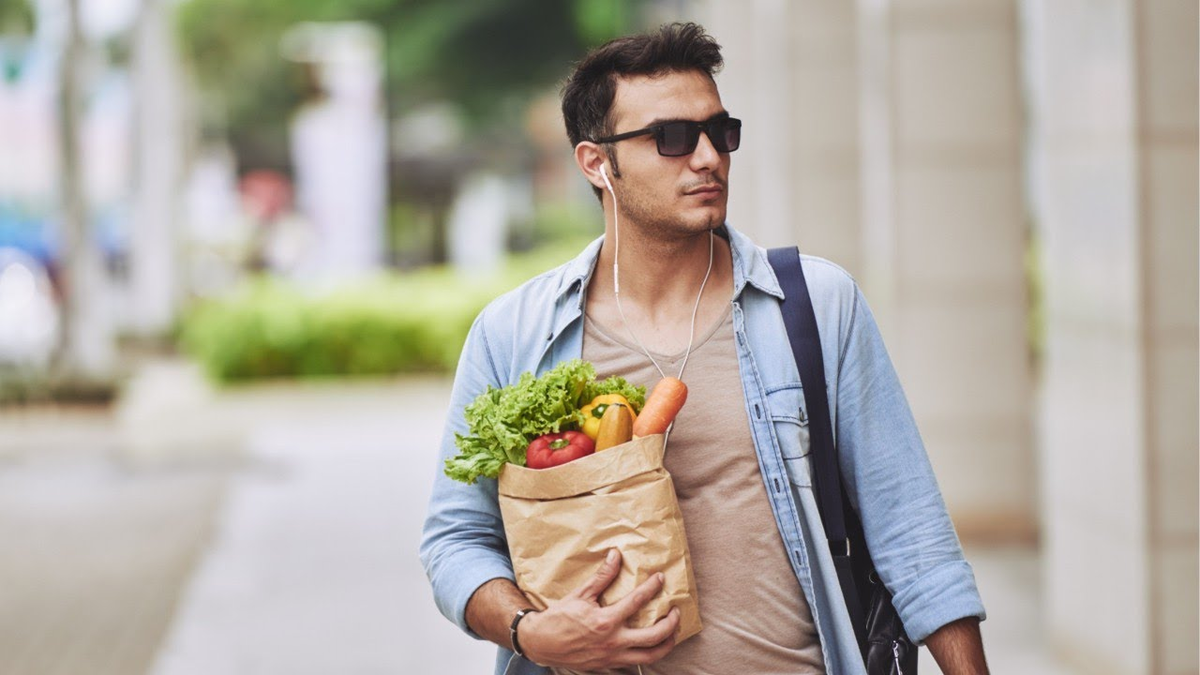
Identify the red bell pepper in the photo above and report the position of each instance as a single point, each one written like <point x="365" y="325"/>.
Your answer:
<point x="553" y="449"/>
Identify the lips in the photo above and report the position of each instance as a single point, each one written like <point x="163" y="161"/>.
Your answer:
<point x="706" y="190"/>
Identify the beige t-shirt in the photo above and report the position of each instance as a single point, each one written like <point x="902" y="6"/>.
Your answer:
<point x="756" y="618"/>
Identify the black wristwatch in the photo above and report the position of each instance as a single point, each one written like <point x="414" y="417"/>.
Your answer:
<point x="512" y="630"/>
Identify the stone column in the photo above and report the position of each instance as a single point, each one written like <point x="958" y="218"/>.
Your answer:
<point x="1114" y="89"/>
<point x="791" y="75"/>
<point x="945" y="245"/>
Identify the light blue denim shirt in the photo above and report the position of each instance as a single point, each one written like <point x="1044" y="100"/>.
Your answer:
<point x="887" y="473"/>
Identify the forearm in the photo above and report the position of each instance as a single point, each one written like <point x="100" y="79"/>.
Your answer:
<point x="958" y="648"/>
<point x="492" y="607"/>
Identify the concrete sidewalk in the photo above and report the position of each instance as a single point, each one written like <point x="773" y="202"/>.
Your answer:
<point x="314" y="567"/>
<point x="289" y="547"/>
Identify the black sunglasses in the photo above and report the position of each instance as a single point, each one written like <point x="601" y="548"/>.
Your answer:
<point x="679" y="138"/>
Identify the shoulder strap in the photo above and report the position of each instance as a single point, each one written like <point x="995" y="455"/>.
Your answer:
<point x="801" y="323"/>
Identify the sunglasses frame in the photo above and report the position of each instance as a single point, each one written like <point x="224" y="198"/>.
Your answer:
<point x="707" y="126"/>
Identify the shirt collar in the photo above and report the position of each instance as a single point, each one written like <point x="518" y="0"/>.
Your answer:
<point x="750" y="266"/>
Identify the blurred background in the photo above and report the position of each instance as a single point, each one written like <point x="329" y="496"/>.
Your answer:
<point x="241" y="244"/>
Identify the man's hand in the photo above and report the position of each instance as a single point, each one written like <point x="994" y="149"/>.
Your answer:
<point x="577" y="633"/>
<point x="958" y="648"/>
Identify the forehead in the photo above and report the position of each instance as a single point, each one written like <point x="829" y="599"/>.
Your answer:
<point x="640" y="100"/>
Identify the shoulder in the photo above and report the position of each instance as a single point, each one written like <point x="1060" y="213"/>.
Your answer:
<point x="532" y="297"/>
<point x="827" y="281"/>
<point x="829" y="285"/>
<point x="533" y="290"/>
<point x="515" y="327"/>
<point x="836" y="300"/>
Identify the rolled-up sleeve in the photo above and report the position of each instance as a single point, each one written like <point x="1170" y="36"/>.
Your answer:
<point x="462" y="543"/>
<point x="890" y="481"/>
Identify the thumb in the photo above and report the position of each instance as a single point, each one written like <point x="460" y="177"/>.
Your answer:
<point x="603" y="577"/>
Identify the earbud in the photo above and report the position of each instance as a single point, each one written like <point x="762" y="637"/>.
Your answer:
<point x="604" y="175"/>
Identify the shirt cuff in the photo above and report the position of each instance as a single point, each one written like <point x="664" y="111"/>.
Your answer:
<point x="469" y="574"/>
<point x="940" y="596"/>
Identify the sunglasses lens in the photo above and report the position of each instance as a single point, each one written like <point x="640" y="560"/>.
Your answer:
<point x="726" y="135"/>
<point x="677" y="138"/>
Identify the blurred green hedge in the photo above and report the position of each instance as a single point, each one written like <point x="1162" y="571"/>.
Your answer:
<point x="394" y="323"/>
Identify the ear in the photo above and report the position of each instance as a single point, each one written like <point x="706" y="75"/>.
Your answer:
<point x="589" y="157"/>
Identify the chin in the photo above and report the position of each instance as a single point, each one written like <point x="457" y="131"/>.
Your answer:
<point x="713" y="219"/>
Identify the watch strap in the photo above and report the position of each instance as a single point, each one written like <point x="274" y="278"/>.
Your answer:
<point x="512" y="630"/>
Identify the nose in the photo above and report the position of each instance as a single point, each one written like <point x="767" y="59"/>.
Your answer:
<point x="705" y="157"/>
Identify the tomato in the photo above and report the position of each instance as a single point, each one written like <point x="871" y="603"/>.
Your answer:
<point x="553" y="449"/>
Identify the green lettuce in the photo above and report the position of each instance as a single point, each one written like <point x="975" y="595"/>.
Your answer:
<point x="502" y="422"/>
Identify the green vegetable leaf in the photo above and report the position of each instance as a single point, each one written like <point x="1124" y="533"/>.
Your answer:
<point x="504" y="421"/>
<point x="635" y="394"/>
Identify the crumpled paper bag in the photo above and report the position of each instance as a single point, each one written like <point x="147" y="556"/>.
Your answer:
<point x="561" y="522"/>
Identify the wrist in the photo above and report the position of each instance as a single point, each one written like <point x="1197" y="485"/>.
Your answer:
<point x="521" y="620"/>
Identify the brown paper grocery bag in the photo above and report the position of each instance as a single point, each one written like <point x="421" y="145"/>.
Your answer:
<point x="562" y="521"/>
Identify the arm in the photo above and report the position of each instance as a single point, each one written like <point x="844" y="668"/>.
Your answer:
<point x="576" y="632"/>
<point x="890" y="481"/>
<point x="462" y="543"/>
<point x="958" y="648"/>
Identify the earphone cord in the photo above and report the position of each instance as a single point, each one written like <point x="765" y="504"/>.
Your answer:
<point x="621" y="311"/>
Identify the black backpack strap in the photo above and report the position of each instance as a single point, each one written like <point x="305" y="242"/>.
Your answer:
<point x="801" y="323"/>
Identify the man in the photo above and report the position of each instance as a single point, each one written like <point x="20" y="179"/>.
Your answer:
<point x="697" y="297"/>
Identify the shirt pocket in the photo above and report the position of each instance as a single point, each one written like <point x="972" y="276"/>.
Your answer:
<point x="789" y="416"/>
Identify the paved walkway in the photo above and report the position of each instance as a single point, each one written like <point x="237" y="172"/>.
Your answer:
<point x="94" y="551"/>
<point x="268" y="531"/>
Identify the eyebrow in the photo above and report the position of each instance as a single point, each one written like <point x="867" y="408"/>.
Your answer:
<point x="724" y="114"/>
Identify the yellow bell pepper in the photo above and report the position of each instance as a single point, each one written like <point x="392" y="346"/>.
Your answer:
<point x="593" y="411"/>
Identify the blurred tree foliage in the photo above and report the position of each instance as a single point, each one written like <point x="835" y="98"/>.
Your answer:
<point x="481" y="54"/>
<point x="16" y="24"/>
<point x="16" y="17"/>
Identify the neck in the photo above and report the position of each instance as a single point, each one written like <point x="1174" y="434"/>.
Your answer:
<point x="657" y="273"/>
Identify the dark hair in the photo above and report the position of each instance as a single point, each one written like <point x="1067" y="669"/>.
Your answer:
<point x="587" y="95"/>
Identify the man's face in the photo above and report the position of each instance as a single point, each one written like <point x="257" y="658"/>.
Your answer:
<point x="669" y="196"/>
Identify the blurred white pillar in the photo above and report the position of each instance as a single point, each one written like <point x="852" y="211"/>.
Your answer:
<point x="339" y="145"/>
<point x="946" y="242"/>
<point x="791" y="75"/>
<point x="478" y="224"/>
<point x="1114" y="89"/>
<point x="158" y="158"/>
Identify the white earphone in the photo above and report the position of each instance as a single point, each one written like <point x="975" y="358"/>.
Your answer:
<point x="617" y="284"/>
<point x="616" y="235"/>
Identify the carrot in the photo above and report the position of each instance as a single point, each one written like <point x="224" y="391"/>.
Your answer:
<point x="661" y="407"/>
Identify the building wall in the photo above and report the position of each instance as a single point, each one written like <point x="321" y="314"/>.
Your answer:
<point x="1114" y="91"/>
<point x="950" y="255"/>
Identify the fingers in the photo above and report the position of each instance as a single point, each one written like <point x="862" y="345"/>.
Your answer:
<point x="603" y="577"/>
<point x="641" y="657"/>
<point x="658" y="639"/>
<point x="652" y="636"/>
<point x="638" y="597"/>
